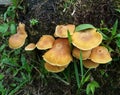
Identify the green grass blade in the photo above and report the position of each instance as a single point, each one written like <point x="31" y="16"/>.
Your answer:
<point x="81" y="64"/>
<point x="114" y="30"/>
<point x="62" y="80"/>
<point x="77" y="74"/>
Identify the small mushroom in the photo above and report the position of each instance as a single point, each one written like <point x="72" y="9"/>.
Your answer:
<point x="100" y="55"/>
<point x="45" y="42"/>
<point x="62" y="30"/>
<point x="86" y="39"/>
<point x="59" y="54"/>
<point x="85" y="53"/>
<point x="17" y="40"/>
<point x="54" y="69"/>
<point x="90" y="64"/>
<point x="30" y="47"/>
<point x="21" y="29"/>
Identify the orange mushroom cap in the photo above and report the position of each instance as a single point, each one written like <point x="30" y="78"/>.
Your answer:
<point x="16" y="41"/>
<point x="30" y="47"/>
<point x="86" y="39"/>
<point x="59" y="54"/>
<point x="100" y="55"/>
<point x="62" y="30"/>
<point x="90" y="64"/>
<point x="85" y="53"/>
<point x="54" y="69"/>
<point x="45" y="42"/>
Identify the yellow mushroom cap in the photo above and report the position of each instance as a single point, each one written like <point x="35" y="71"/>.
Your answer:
<point x="87" y="39"/>
<point x="59" y="54"/>
<point x="62" y="30"/>
<point x="90" y="64"/>
<point x="16" y="41"/>
<point x="100" y="55"/>
<point x="54" y="69"/>
<point x="45" y="42"/>
<point x="85" y="53"/>
<point x="30" y="47"/>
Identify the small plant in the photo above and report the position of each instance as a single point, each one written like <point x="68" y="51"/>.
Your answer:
<point x="33" y="22"/>
<point x="91" y="87"/>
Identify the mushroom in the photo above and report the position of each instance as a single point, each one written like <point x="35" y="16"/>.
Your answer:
<point x="62" y="30"/>
<point x="45" y="42"/>
<point x="100" y="55"/>
<point x="17" y="40"/>
<point x="85" y="53"/>
<point x="86" y="39"/>
<point x="21" y="29"/>
<point x="30" y="47"/>
<point x="54" y="69"/>
<point x="90" y="64"/>
<point x="59" y="54"/>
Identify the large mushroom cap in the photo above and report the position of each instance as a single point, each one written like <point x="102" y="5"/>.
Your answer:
<point x="90" y="64"/>
<point x="62" y="30"/>
<point x="59" y="54"/>
<point x="30" y="47"/>
<point x="16" y="41"/>
<point x="45" y="42"/>
<point x="85" y="53"/>
<point x="54" y="69"/>
<point x="100" y="55"/>
<point x="87" y="39"/>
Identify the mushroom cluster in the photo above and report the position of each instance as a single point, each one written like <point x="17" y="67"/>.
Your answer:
<point x="87" y="42"/>
<point x="59" y="54"/>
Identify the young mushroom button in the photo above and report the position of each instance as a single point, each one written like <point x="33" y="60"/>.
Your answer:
<point x="30" y="47"/>
<point x="45" y="42"/>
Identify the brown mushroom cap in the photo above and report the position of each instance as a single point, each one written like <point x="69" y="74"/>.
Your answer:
<point x="100" y="55"/>
<point x="30" y="47"/>
<point x="62" y="30"/>
<point x="45" y="42"/>
<point x="54" y="69"/>
<point x="90" y="64"/>
<point x="85" y="53"/>
<point x="16" y="41"/>
<point x="87" y="39"/>
<point x="59" y="54"/>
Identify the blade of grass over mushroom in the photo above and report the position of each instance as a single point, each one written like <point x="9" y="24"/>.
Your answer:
<point x="69" y="39"/>
<point x="76" y="74"/>
<point x="81" y="64"/>
<point x="83" y="27"/>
